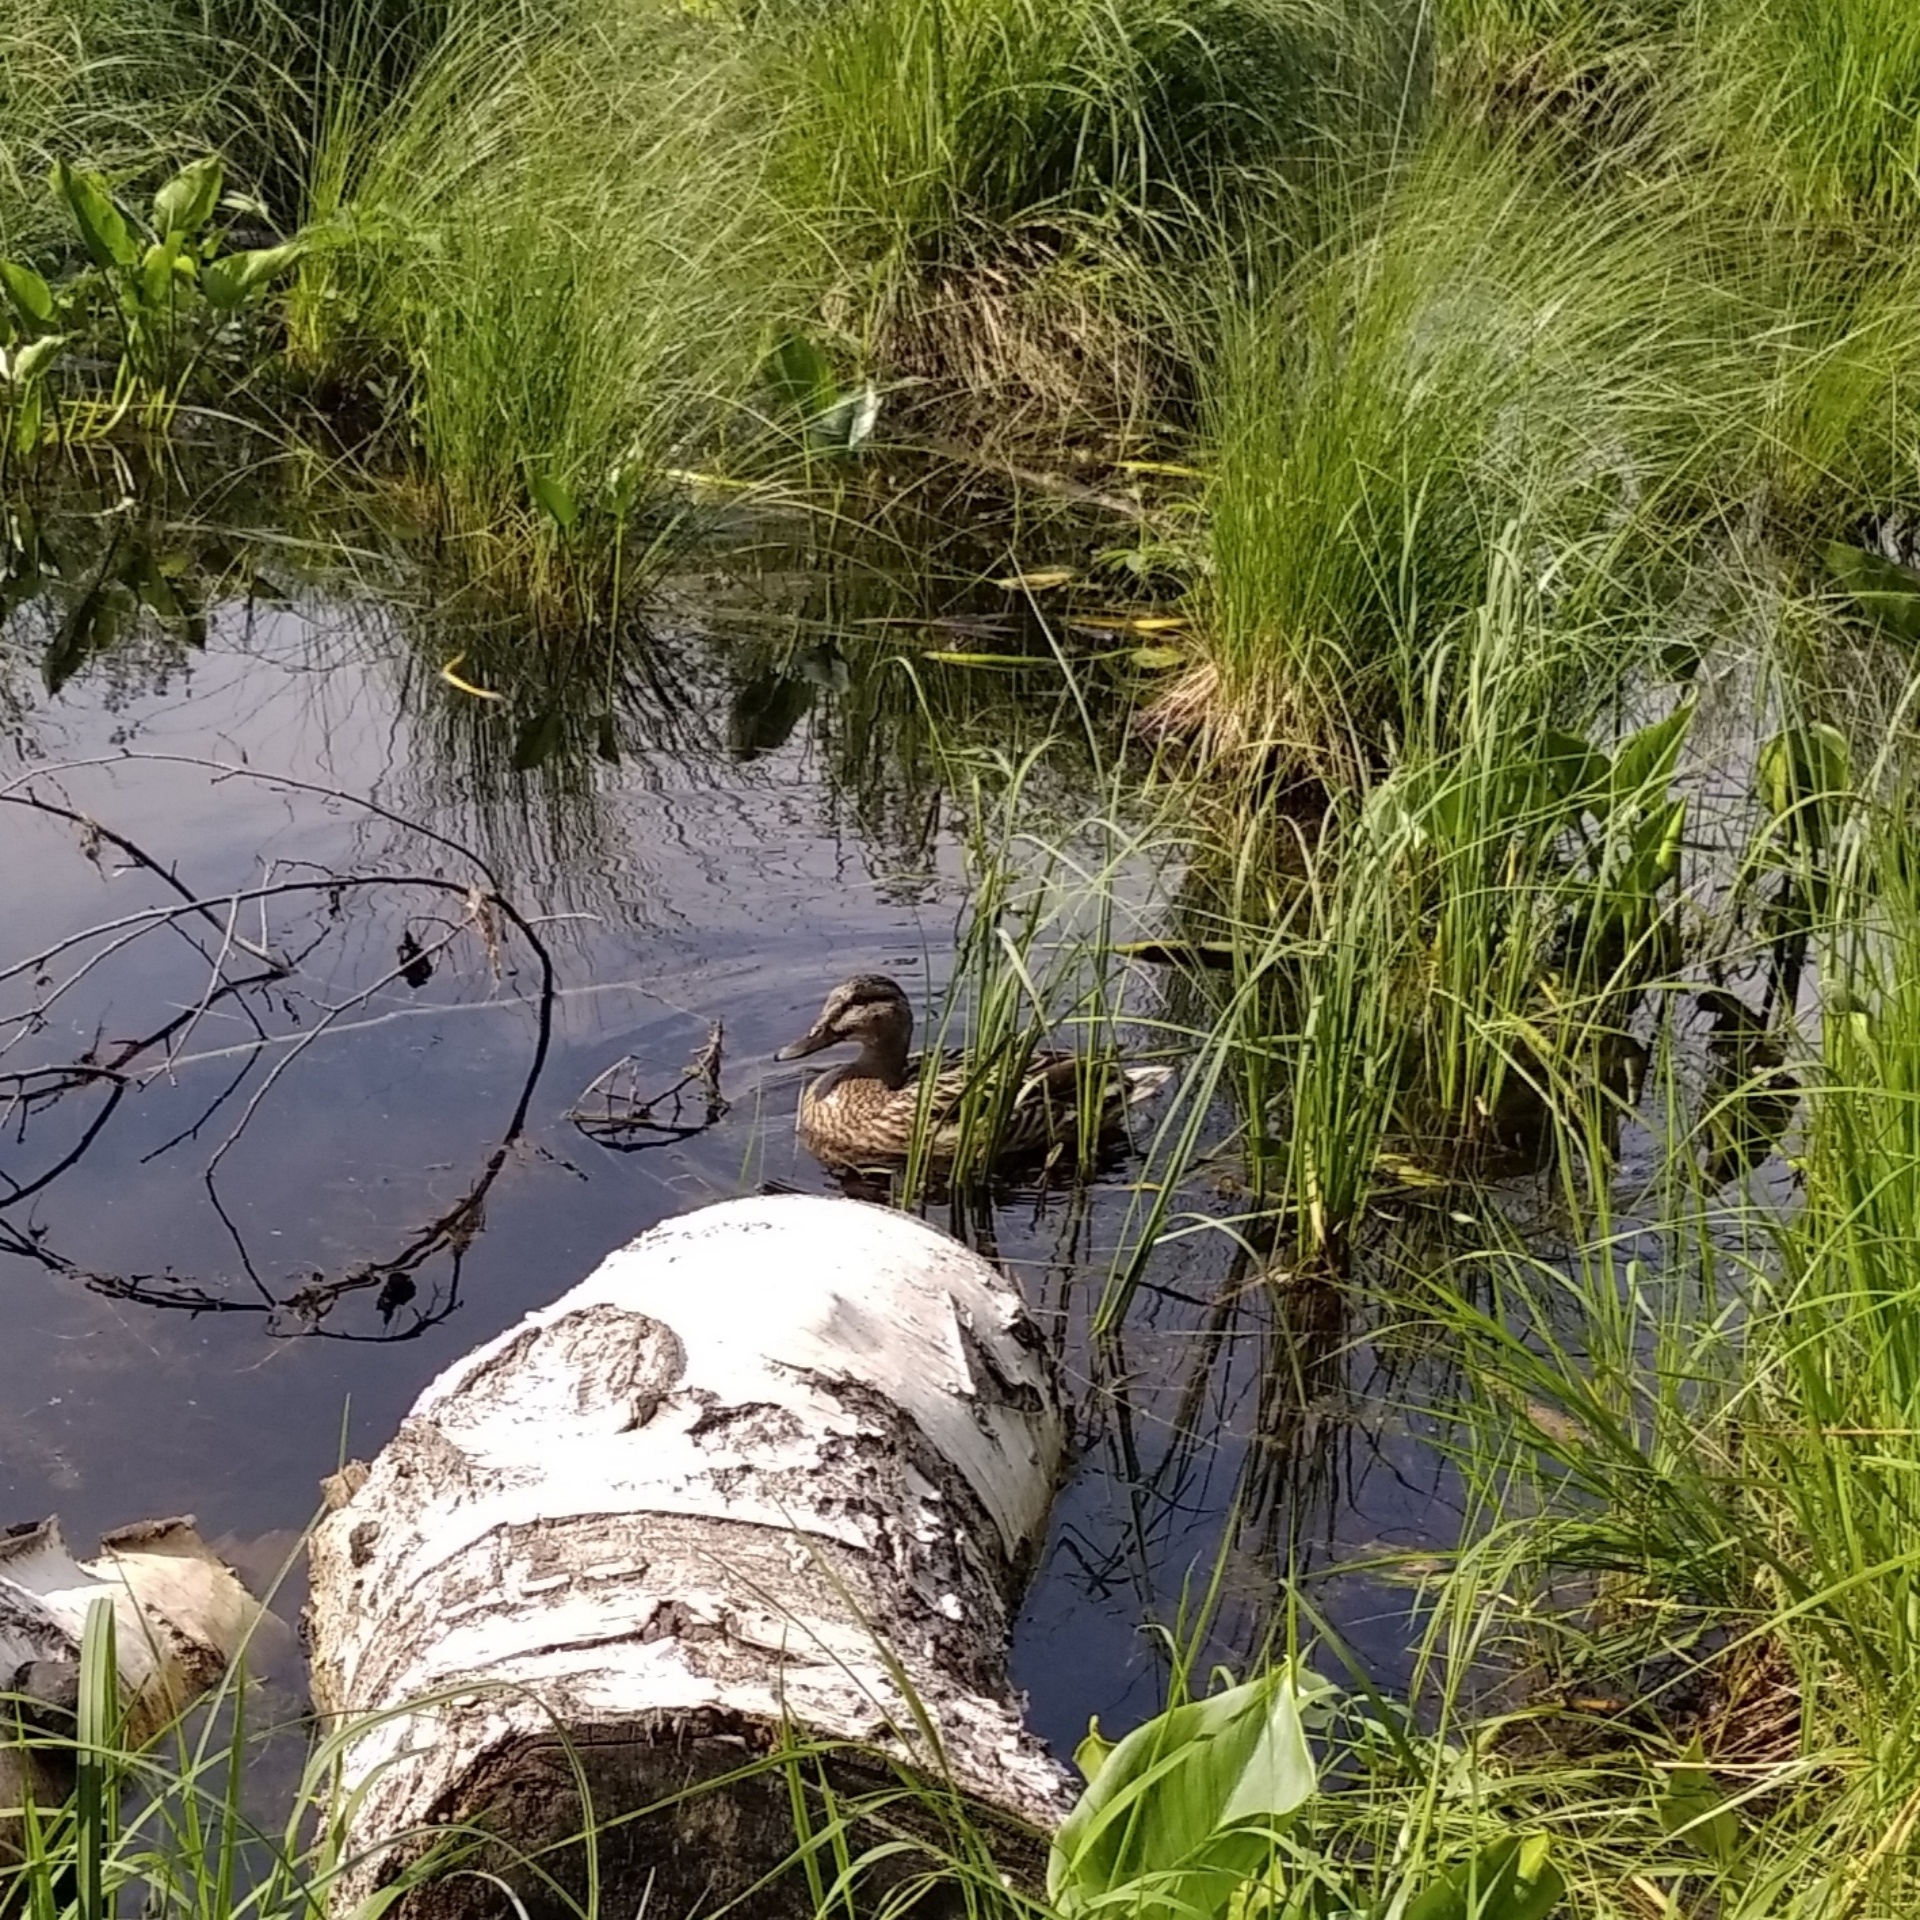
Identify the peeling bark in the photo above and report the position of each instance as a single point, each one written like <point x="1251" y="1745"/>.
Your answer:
<point x="181" y="1616"/>
<point x="770" y="1462"/>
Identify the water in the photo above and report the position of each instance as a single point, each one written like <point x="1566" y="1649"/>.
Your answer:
<point x="312" y="1195"/>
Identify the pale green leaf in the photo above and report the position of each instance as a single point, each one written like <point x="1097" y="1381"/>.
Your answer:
<point x="103" y="228"/>
<point x="30" y="295"/>
<point x="186" y="203"/>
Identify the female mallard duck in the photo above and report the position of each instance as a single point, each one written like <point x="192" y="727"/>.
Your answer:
<point x="866" y="1110"/>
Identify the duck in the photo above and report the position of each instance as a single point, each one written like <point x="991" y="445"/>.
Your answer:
<point x="865" y="1111"/>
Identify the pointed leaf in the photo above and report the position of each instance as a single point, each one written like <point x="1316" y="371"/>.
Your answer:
<point x="1091" y="1754"/>
<point x="30" y="296"/>
<point x="1881" y="588"/>
<point x="1691" y="1808"/>
<point x="229" y="281"/>
<point x="1511" y="1880"/>
<point x="156" y="273"/>
<point x="186" y="203"/>
<point x="103" y="228"/>
<point x="36" y="357"/>
<point x="801" y="373"/>
<point x="1645" y="762"/>
<point x="555" y="499"/>
<point x="1182" y="1807"/>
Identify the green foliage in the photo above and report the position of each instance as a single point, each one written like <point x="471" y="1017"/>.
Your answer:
<point x="1205" y="1811"/>
<point x="1185" y="1810"/>
<point x="1476" y="360"/>
<point x="160" y="297"/>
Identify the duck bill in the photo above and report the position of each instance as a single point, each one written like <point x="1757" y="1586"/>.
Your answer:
<point x="801" y="1048"/>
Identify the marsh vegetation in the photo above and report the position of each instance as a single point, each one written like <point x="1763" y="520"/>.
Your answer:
<point x="1385" y="534"/>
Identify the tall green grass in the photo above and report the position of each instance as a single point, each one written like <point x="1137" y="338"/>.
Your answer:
<point x="1480" y="356"/>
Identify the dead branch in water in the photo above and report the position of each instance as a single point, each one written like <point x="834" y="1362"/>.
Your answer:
<point x="287" y="987"/>
<point x="629" y="1121"/>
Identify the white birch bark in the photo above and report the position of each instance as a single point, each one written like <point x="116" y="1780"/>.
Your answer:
<point x="180" y="1618"/>
<point x="771" y="1461"/>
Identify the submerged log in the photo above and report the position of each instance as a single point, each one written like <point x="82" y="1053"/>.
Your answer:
<point x="180" y="1618"/>
<point x="778" y="1468"/>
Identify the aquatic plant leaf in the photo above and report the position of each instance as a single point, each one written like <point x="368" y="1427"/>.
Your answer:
<point x="803" y="376"/>
<point x="826" y="667"/>
<point x="157" y="266"/>
<point x="624" y="481"/>
<point x="1881" y="588"/>
<point x="1184" y="1809"/>
<point x="1091" y="1754"/>
<point x="155" y="591"/>
<point x="35" y="357"/>
<point x="229" y="282"/>
<point x="29" y="416"/>
<point x="29" y="295"/>
<point x="538" y="739"/>
<point x="103" y="228"/>
<point x="1803" y="776"/>
<point x="846" y="423"/>
<point x="555" y="499"/>
<point x="1514" y="1879"/>
<point x="1569" y="765"/>
<point x="92" y="627"/>
<point x="1692" y="1809"/>
<point x="1645" y="762"/>
<point x="186" y="203"/>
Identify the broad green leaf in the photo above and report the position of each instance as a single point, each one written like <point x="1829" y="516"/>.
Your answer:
<point x="1569" y="765"/>
<point x="229" y="281"/>
<point x="36" y="357"/>
<point x="1644" y="762"/>
<point x="93" y="627"/>
<point x="149" y="581"/>
<point x="801" y="373"/>
<point x="156" y="273"/>
<point x="103" y="228"/>
<point x="1804" y="778"/>
<point x="186" y="203"/>
<point x="624" y="481"/>
<point x="1181" y="1810"/>
<point x="29" y="416"/>
<point x="1091" y="1754"/>
<point x="221" y="285"/>
<point x="847" y="423"/>
<point x="1514" y="1879"/>
<point x="1881" y="588"/>
<point x="31" y="297"/>
<point x="1692" y="1808"/>
<point x="555" y="499"/>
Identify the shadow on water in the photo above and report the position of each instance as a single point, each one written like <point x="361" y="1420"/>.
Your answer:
<point x="373" y="967"/>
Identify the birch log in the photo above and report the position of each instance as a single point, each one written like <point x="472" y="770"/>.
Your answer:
<point x="180" y="1618"/>
<point x="780" y="1462"/>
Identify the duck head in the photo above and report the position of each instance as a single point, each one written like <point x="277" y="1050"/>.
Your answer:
<point x="869" y="1011"/>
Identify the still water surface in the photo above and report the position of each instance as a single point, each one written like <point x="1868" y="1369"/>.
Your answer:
<point x="726" y="868"/>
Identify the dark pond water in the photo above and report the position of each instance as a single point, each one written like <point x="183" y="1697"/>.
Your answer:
<point x="245" y="1223"/>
